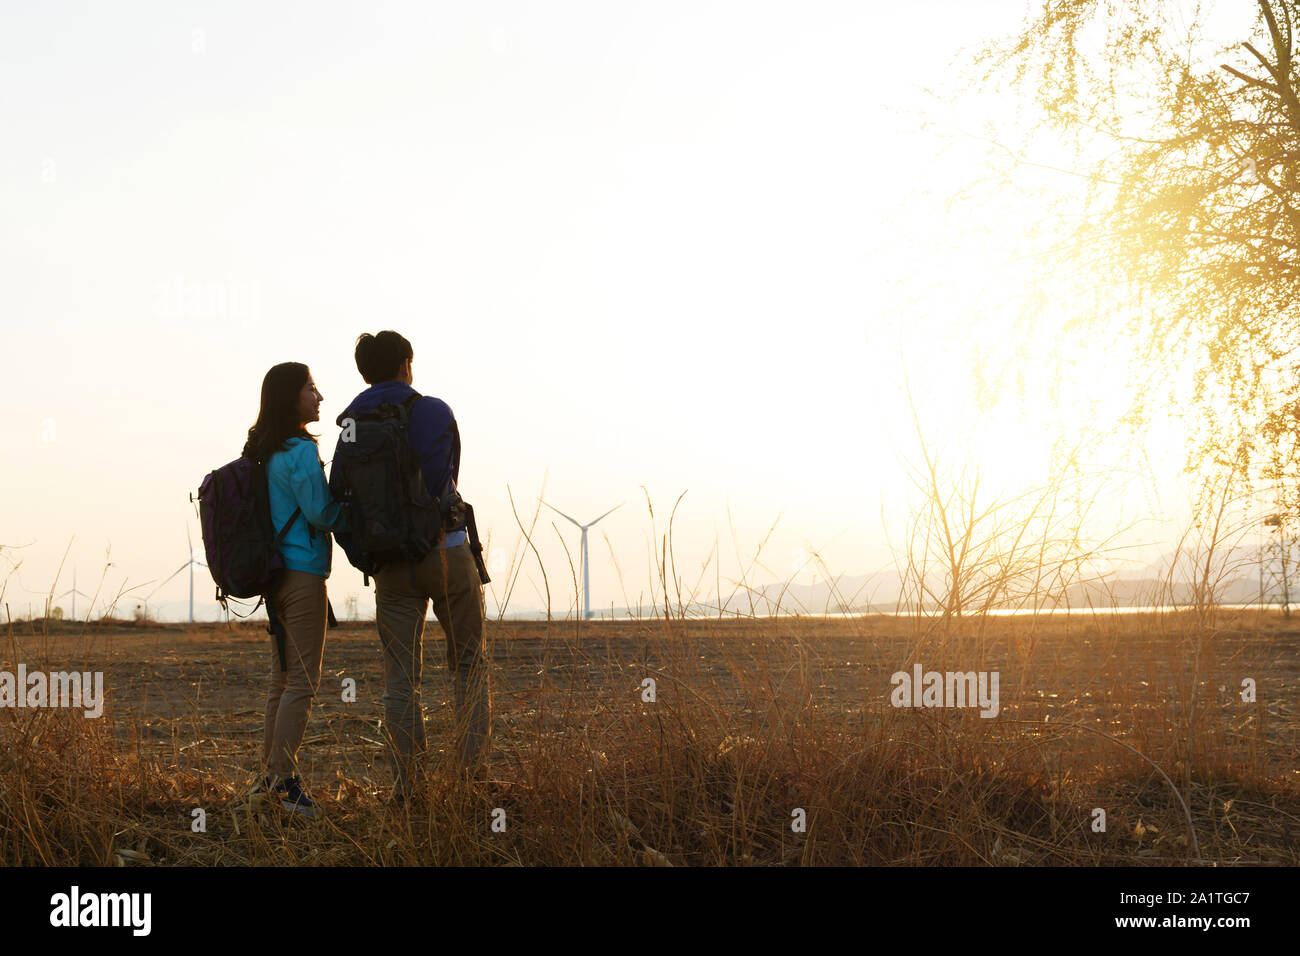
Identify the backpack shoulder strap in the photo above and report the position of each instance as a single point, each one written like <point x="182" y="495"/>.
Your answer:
<point x="403" y="408"/>
<point x="279" y="538"/>
<point x="388" y="410"/>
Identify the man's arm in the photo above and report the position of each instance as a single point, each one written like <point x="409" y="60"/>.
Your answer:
<point x="435" y="439"/>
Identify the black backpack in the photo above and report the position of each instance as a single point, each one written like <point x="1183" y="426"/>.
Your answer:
<point x="391" y="514"/>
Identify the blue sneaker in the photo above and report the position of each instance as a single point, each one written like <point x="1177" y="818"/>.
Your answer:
<point x="292" y="797"/>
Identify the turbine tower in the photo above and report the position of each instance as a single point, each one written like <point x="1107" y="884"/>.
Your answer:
<point x="74" y="592"/>
<point x="188" y="564"/>
<point x="586" y="569"/>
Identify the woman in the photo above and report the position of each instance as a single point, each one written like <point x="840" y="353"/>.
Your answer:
<point x="297" y="602"/>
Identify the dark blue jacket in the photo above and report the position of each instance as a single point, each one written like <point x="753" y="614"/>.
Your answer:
<point x="434" y="437"/>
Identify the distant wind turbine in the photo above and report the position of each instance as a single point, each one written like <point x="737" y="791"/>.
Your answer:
<point x="586" y="569"/>
<point x="188" y="564"/>
<point x="74" y="592"/>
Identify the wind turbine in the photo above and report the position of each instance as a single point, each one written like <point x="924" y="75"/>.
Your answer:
<point x="188" y="564"/>
<point x="74" y="592"/>
<point x="586" y="569"/>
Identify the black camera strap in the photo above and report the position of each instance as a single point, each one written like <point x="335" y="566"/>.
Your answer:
<point x="475" y="545"/>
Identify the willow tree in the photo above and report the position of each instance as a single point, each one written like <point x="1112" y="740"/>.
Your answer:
<point x="1188" y="138"/>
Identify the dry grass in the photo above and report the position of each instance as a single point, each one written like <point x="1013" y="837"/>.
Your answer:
<point x="753" y="719"/>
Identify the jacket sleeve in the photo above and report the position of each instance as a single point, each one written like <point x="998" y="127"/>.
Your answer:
<point x="435" y="440"/>
<point x="310" y="491"/>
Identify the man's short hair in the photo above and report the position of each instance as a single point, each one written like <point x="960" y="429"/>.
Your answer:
<point x="380" y="357"/>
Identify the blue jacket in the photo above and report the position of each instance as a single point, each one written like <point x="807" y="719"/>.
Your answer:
<point x="432" y="432"/>
<point x="296" y="479"/>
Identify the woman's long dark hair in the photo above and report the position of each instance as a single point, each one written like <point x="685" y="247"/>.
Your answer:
<point x="277" y="418"/>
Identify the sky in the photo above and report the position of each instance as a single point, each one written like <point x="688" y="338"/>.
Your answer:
<point x="640" y="249"/>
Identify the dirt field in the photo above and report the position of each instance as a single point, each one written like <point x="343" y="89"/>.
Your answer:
<point x="185" y="704"/>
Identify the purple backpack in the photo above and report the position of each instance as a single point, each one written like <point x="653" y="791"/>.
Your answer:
<point x="241" y="543"/>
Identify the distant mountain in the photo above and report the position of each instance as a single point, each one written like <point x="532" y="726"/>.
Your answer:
<point x="1238" y="576"/>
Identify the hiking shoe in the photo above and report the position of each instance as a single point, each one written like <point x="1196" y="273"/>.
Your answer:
<point x="292" y="797"/>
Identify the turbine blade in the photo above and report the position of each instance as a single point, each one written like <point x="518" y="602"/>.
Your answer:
<point x="606" y="514"/>
<point x="560" y="513"/>
<point x="169" y="577"/>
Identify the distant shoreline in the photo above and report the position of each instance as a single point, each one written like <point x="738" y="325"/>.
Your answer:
<point x="693" y="615"/>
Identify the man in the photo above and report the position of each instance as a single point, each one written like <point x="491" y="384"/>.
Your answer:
<point x="448" y="576"/>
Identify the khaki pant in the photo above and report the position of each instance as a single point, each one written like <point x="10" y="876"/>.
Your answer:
<point x="448" y="578"/>
<point x="300" y="600"/>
